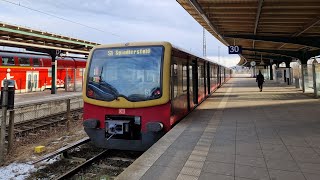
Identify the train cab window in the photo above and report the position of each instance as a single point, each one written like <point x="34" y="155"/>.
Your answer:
<point x="24" y="61"/>
<point x="7" y="61"/>
<point x="35" y="62"/>
<point x="133" y="73"/>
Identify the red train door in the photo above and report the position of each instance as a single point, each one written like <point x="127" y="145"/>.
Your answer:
<point x="32" y="81"/>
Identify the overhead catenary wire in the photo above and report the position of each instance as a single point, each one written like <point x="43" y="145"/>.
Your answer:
<point x="58" y="17"/>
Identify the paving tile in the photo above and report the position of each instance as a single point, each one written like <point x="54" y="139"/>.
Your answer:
<point x="309" y="167"/>
<point x="199" y="153"/>
<point x="295" y="142"/>
<point x="250" y="161"/>
<point x="191" y="171"/>
<point x="313" y="141"/>
<point x="317" y="149"/>
<point x="204" y="140"/>
<point x="221" y="157"/>
<point x="223" y="149"/>
<point x="186" y="177"/>
<point x="194" y="164"/>
<point x="211" y="176"/>
<point x="251" y="172"/>
<point x="133" y="172"/>
<point x="247" y="145"/>
<point x="222" y="142"/>
<point x="285" y="175"/>
<point x="197" y="158"/>
<point x="171" y="161"/>
<point x="282" y="165"/>
<point x="270" y="140"/>
<point x="278" y="155"/>
<point x="208" y="135"/>
<point x="202" y="144"/>
<point x="299" y="150"/>
<point x="147" y="159"/>
<point x="178" y="153"/>
<point x="161" y="172"/>
<point x="183" y="145"/>
<point x="249" y="152"/>
<point x="201" y="148"/>
<point x="311" y="176"/>
<point x="273" y="147"/>
<point x="309" y="158"/>
<point x="247" y="139"/>
<point x="218" y="168"/>
<point x="241" y="178"/>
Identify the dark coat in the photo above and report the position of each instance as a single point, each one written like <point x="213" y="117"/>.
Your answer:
<point x="260" y="79"/>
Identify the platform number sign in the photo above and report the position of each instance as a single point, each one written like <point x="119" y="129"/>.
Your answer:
<point x="235" y="49"/>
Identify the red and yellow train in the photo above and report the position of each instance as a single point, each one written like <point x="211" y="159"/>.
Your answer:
<point x="32" y="72"/>
<point x="136" y="92"/>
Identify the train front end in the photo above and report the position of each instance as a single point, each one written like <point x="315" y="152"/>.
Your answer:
<point x="126" y="95"/>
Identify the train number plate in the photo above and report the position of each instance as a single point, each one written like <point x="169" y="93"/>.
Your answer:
<point x="122" y="111"/>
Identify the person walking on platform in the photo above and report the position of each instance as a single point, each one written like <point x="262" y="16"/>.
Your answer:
<point x="260" y="80"/>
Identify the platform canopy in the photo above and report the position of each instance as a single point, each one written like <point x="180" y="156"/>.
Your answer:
<point x="35" y="40"/>
<point x="269" y="31"/>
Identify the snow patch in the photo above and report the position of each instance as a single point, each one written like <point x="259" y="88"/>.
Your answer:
<point x="16" y="171"/>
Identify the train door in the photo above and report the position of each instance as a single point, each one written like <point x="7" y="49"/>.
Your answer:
<point x="190" y="79"/>
<point x="219" y="76"/>
<point x="185" y="85"/>
<point x="32" y="81"/>
<point x="195" y="81"/>
<point x="205" y="78"/>
<point x="208" y="78"/>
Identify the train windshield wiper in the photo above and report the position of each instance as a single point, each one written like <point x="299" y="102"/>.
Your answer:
<point x="106" y="87"/>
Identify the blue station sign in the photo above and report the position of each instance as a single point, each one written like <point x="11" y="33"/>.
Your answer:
<point x="235" y="49"/>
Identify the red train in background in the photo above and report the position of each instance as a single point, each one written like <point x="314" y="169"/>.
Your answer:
<point x="32" y="72"/>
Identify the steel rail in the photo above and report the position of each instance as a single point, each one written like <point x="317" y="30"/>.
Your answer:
<point x="63" y="149"/>
<point x="73" y="171"/>
<point x="39" y="123"/>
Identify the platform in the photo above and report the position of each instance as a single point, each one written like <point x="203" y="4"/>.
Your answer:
<point x="35" y="105"/>
<point x="240" y="133"/>
<point x="38" y="97"/>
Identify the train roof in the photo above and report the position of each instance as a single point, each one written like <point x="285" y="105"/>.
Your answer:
<point x="153" y="43"/>
<point x="35" y="55"/>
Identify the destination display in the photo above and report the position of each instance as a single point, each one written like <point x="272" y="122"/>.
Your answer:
<point x="129" y="51"/>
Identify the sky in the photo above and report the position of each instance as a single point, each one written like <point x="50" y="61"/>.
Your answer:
<point x="114" y="21"/>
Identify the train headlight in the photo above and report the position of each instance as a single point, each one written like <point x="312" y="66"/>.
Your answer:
<point x="91" y="123"/>
<point x="154" y="126"/>
<point x="137" y="120"/>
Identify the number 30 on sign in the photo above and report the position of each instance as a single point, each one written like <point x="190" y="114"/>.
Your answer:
<point x="235" y="49"/>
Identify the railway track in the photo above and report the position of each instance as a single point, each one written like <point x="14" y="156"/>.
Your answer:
<point x="40" y="124"/>
<point x="87" y="163"/>
<point x="83" y="161"/>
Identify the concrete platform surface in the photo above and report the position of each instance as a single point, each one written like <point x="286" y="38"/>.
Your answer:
<point x="240" y="133"/>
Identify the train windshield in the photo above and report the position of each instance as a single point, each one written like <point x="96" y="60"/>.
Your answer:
<point x="130" y="72"/>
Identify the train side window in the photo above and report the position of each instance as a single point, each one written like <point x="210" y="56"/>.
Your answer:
<point x="24" y="61"/>
<point x="184" y="78"/>
<point x="8" y="61"/>
<point x="35" y="62"/>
